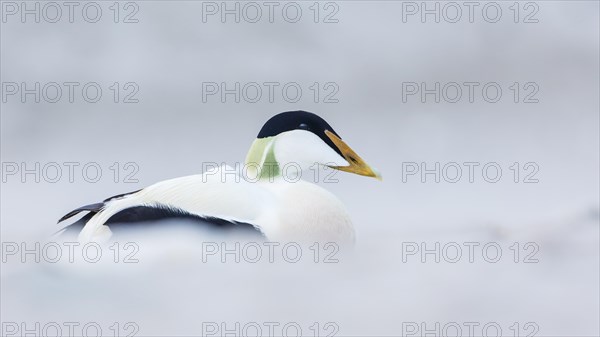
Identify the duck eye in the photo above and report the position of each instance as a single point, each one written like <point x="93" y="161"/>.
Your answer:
<point x="303" y="126"/>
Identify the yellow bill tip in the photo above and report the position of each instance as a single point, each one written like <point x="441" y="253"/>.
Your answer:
<point x="356" y="164"/>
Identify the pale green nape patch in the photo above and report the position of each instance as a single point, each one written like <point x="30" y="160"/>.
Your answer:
<point x="261" y="154"/>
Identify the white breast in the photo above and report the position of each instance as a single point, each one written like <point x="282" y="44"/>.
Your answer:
<point x="306" y="212"/>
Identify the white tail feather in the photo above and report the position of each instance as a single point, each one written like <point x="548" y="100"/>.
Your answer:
<point x="95" y="230"/>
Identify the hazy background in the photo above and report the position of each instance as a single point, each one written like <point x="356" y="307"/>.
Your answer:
<point x="368" y="54"/>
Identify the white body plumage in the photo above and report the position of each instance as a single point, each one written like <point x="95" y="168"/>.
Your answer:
<point x="281" y="209"/>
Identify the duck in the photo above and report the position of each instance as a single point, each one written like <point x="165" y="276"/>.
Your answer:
<point x="262" y="199"/>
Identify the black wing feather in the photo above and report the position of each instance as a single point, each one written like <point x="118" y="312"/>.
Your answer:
<point x="120" y="195"/>
<point x="94" y="208"/>
<point x="152" y="215"/>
